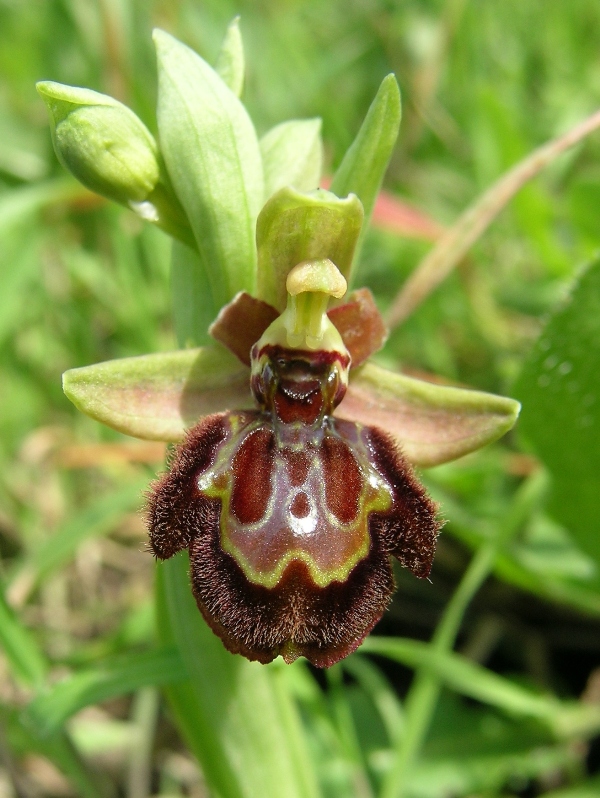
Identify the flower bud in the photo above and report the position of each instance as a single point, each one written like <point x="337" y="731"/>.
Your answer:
<point x="102" y="143"/>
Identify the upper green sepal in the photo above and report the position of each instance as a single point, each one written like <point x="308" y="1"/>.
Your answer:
<point x="294" y="227"/>
<point x="102" y="142"/>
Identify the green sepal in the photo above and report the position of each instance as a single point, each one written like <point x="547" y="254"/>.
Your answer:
<point x="364" y="164"/>
<point x="230" y="64"/>
<point x="211" y="151"/>
<point x="157" y="397"/>
<point x="295" y="227"/>
<point x="432" y="423"/>
<point x="292" y="154"/>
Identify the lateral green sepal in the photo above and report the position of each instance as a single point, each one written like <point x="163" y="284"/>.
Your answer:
<point x="157" y="397"/>
<point x="432" y="423"/>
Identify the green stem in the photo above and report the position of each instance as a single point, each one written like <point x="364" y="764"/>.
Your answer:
<point x="425" y="689"/>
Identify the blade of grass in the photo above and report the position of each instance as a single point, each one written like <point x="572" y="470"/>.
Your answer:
<point x="24" y="657"/>
<point x="381" y="692"/>
<point x="124" y="674"/>
<point x="94" y="520"/>
<point x="454" y="244"/>
<point x="346" y="732"/>
<point x="424" y="691"/>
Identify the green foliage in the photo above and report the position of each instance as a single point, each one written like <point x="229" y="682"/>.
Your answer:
<point x="560" y="384"/>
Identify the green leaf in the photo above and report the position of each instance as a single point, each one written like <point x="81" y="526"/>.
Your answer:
<point x="48" y="711"/>
<point x="157" y="397"/>
<point x="294" y="227"/>
<point x="213" y="159"/>
<point x="190" y="287"/>
<point x="230" y="62"/>
<point x="432" y="423"/>
<point x="20" y="649"/>
<point x="560" y="390"/>
<point x="292" y="154"/>
<point x="363" y="166"/>
<point x="240" y="724"/>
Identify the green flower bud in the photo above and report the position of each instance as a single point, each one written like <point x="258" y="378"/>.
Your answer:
<point x="102" y="143"/>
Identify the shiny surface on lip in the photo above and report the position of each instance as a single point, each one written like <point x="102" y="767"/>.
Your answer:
<point x="277" y="508"/>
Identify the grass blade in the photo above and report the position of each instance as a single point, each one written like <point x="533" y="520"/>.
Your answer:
<point x="124" y="674"/>
<point x="454" y="244"/>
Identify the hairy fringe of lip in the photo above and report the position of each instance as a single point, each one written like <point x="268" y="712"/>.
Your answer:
<point x="300" y="611"/>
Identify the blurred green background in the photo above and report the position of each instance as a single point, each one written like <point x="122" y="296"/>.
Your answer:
<point x="483" y="84"/>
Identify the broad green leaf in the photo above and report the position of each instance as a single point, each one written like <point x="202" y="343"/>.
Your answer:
<point x="213" y="159"/>
<point x="363" y="166"/>
<point x="124" y="674"/>
<point x="432" y="423"/>
<point x="24" y="658"/>
<point x="230" y="62"/>
<point x="294" y="227"/>
<point x="292" y="154"/>
<point x="560" y="390"/>
<point x="157" y="397"/>
<point x="239" y="723"/>
<point x="58" y="549"/>
<point x="190" y="287"/>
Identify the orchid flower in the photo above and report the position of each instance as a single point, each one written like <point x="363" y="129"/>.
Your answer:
<point x="292" y="486"/>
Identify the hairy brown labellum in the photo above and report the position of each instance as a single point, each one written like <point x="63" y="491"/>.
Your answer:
<point x="290" y="515"/>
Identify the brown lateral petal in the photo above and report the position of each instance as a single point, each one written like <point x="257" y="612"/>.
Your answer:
<point x="360" y="324"/>
<point x="241" y="323"/>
